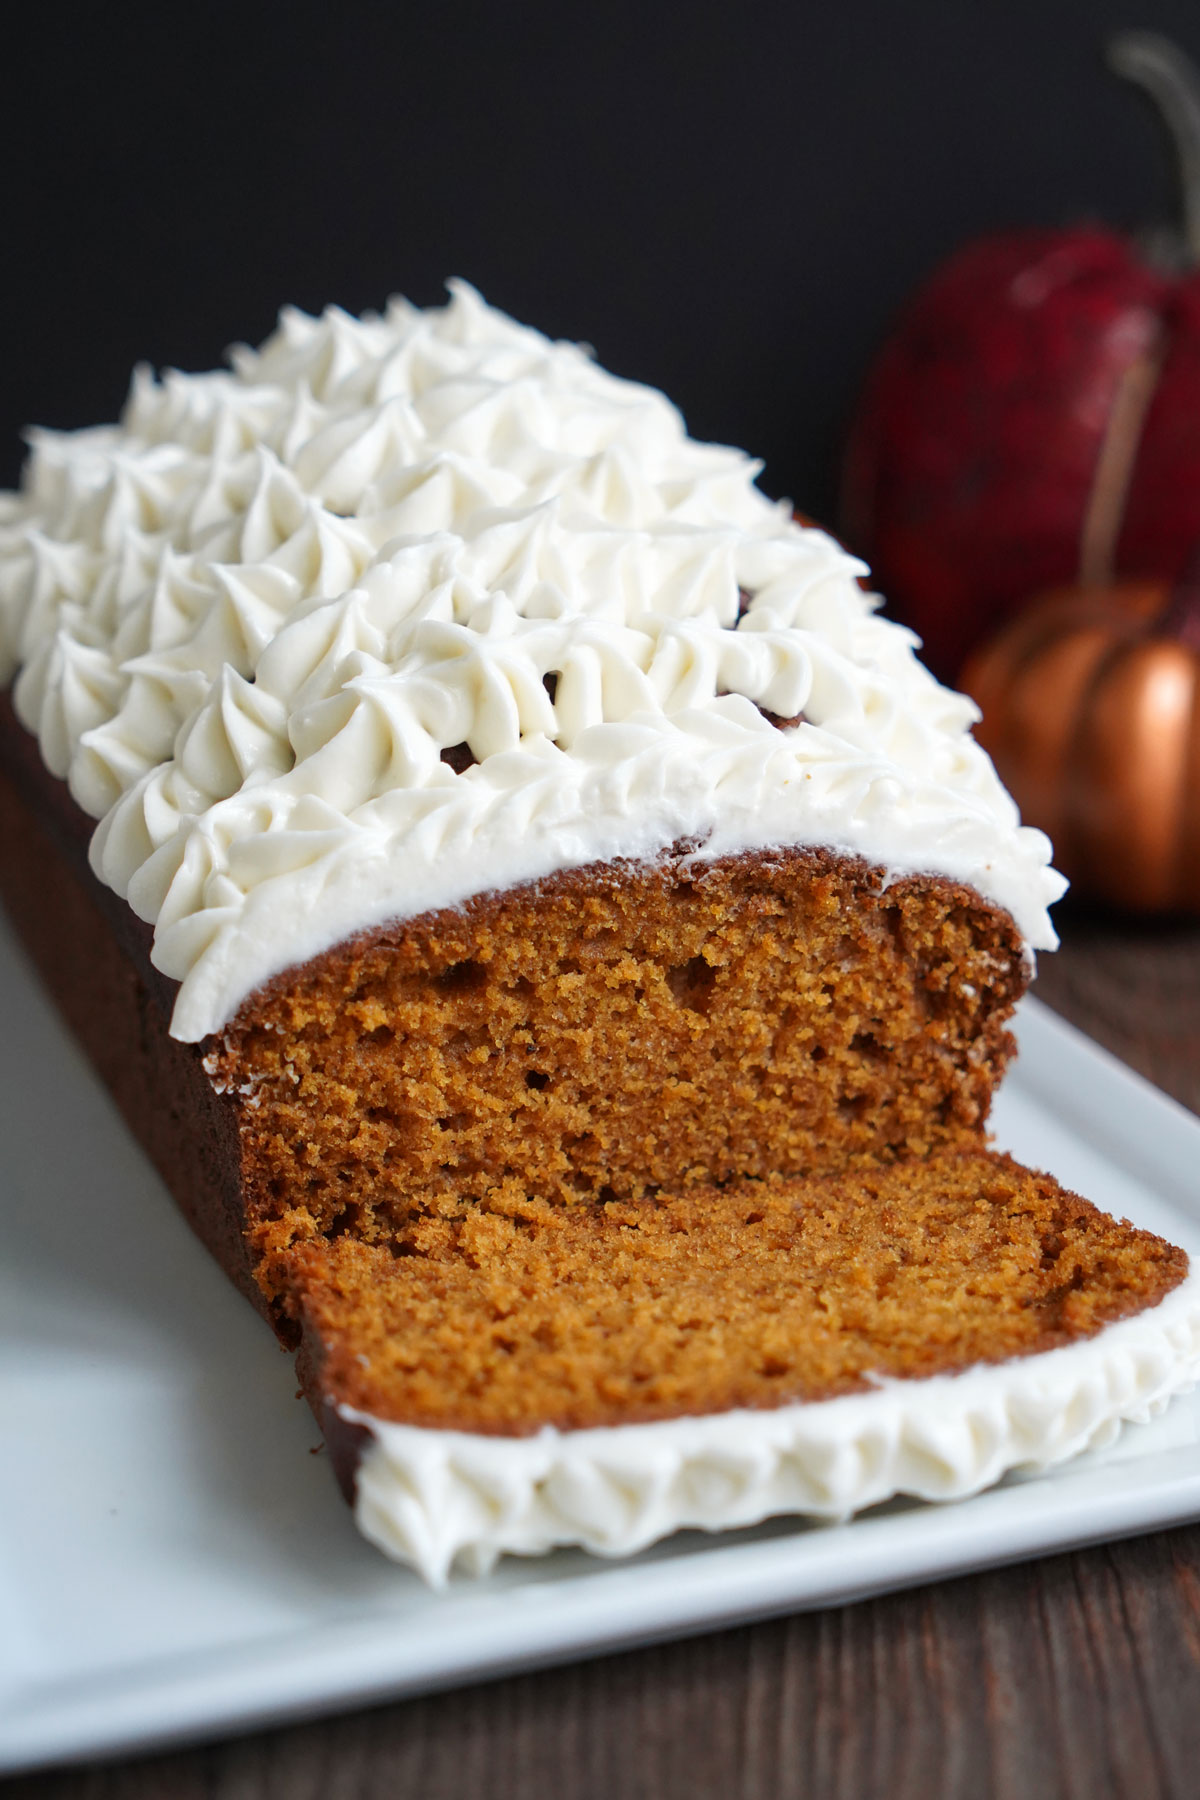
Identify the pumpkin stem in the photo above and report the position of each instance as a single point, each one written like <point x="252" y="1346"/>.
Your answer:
<point x="1114" y="466"/>
<point x="1180" y="617"/>
<point x="1168" y="75"/>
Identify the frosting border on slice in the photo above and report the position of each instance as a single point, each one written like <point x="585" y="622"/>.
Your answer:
<point x="440" y="1499"/>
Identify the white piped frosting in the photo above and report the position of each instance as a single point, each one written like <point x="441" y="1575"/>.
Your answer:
<point x="249" y="619"/>
<point x="440" y="1499"/>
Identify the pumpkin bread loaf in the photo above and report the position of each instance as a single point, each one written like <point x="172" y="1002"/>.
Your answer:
<point x="553" y="938"/>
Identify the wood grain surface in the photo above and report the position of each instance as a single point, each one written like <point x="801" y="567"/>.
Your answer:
<point x="1077" y="1676"/>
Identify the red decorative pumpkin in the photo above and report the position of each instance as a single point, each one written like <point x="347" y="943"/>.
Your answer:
<point x="1035" y="418"/>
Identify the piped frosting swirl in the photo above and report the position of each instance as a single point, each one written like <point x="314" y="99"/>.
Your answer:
<point x="404" y="608"/>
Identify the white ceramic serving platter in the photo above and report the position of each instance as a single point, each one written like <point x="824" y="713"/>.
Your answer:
<point x="175" y="1561"/>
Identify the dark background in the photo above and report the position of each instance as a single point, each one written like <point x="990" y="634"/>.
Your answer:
<point x="727" y="201"/>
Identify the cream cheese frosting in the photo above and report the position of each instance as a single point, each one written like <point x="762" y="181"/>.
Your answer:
<point x="248" y="621"/>
<point x="443" y="1499"/>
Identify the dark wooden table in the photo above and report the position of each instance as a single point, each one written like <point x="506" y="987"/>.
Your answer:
<point x="1076" y="1676"/>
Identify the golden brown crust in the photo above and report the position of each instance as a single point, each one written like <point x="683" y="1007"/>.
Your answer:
<point x="91" y="952"/>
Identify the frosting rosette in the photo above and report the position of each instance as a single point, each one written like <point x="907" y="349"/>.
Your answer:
<point x="401" y="609"/>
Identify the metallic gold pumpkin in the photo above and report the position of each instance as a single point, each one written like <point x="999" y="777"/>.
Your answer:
<point x="1091" y="713"/>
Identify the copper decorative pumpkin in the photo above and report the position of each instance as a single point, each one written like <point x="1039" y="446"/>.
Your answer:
<point x="1091" y="713"/>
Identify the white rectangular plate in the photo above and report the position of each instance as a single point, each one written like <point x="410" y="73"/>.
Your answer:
<point x="175" y="1563"/>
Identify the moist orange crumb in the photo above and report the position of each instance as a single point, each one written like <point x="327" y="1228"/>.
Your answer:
<point x="615" y="1033"/>
<point x="518" y="1313"/>
<point x="647" y="1140"/>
